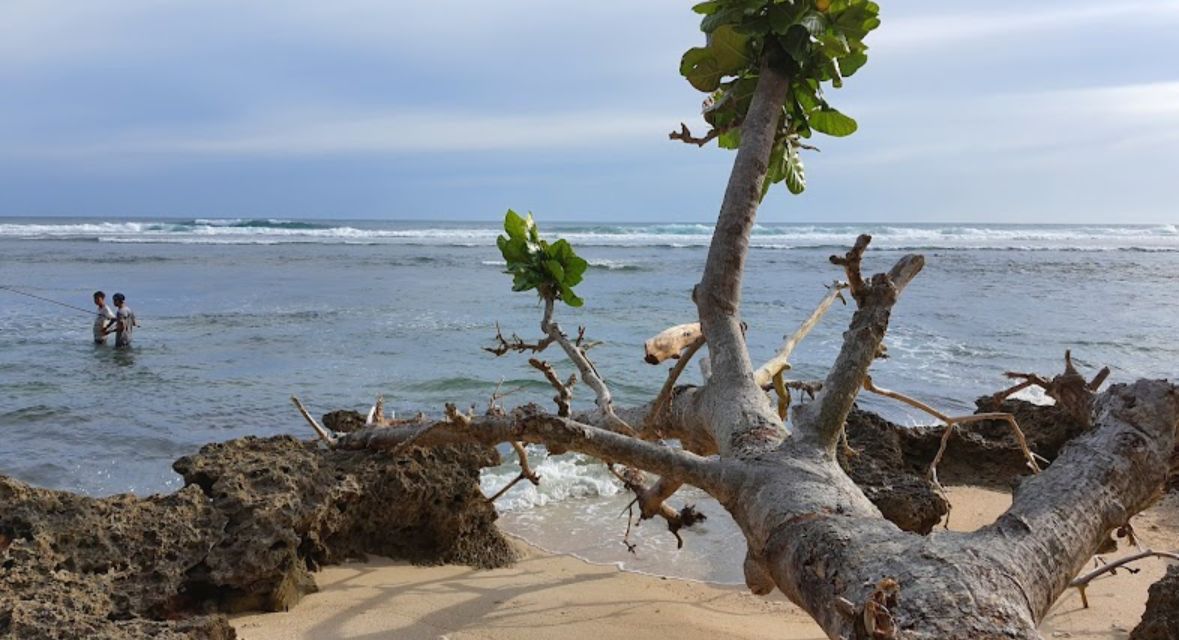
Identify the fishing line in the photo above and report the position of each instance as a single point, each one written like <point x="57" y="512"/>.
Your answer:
<point x="89" y="312"/>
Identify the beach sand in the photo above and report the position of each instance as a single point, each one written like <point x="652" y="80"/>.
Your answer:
<point x="547" y="595"/>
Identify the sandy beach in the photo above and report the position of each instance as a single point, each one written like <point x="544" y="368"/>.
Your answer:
<point x="545" y="595"/>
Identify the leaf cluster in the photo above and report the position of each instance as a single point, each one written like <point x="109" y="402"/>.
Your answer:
<point x="552" y="269"/>
<point x="812" y="42"/>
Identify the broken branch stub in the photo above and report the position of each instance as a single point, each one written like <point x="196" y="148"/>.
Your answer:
<point x="671" y="342"/>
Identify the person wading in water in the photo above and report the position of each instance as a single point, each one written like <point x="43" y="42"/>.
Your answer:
<point x="124" y="322"/>
<point x="105" y="319"/>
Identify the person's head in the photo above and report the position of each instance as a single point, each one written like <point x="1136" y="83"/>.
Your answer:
<point x="99" y="298"/>
<point x="119" y="298"/>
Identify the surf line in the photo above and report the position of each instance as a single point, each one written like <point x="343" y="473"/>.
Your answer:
<point x="89" y="312"/>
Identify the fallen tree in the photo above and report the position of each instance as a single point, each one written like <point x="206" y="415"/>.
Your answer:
<point x="810" y="531"/>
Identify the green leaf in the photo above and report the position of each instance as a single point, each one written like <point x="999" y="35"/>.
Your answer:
<point x="707" y="8"/>
<point x="782" y="16"/>
<point x="516" y="226"/>
<point x="730" y="15"/>
<point x="700" y="67"/>
<point x="794" y="174"/>
<point x="814" y="22"/>
<point x="852" y="62"/>
<point x="555" y="269"/>
<point x="569" y="297"/>
<point x="514" y="250"/>
<point x="776" y="170"/>
<point x="729" y="48"/>
<point x="574" y="270"/>
<point x="832" y="122"/>
<point x="730" y="139"/>
<point x="834" y="44"/>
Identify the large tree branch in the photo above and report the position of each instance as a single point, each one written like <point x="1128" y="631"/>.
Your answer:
<point x="823" y="419"/>
<point x="1060" y="517"/>
<point x="530" y="424"/>
<point x="823" y="543"/>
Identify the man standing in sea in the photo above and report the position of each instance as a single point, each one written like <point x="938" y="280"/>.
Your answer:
<point x="124" y="322"/>
<point x="104" y="320"/>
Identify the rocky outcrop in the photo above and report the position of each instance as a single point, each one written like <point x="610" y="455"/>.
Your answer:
<point x="893" y="460"/>
<point x="77" y="567"/>
<point x="897" y="485"/>
<point x="1161" y="619"/>
<point x="255" y="518"/>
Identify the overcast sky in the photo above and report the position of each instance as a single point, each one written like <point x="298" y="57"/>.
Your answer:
<point x="1002" y="111"/>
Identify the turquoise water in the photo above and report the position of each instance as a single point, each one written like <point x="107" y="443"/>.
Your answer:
<point x="237" y="315"/>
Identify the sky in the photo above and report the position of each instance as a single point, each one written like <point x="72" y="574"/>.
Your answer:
<point x="1060" y="111"/>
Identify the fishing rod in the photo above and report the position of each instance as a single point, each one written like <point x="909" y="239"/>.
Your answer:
<point x="89" y="312"/>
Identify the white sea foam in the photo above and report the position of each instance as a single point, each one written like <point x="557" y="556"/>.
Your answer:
<point x="566" y="476"/>
<point x="1163" y="237"/>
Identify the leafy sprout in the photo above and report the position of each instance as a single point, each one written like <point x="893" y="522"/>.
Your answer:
<point x="811" y="42"/>
<point x="552" y="269"/>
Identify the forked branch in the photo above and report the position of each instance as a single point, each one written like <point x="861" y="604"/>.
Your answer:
<point x="823" y="419"/>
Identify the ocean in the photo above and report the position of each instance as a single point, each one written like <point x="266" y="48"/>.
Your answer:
<point x="238" y="315"/>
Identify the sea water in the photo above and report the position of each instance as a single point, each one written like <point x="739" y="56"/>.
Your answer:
<point x="238" y="315"/>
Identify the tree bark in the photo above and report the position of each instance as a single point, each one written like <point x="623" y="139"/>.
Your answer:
<point x="743" y="421"/>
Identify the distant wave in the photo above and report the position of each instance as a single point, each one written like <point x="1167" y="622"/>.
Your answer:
<point x="656" y="236"/>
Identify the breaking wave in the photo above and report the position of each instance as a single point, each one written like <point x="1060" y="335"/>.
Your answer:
<point x="927" y="237"/>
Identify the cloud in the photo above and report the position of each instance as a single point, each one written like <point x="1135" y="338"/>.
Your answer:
<point x="1023" y="126"/>
<point x="916" y="32"/>
<point x="411" y="130"/>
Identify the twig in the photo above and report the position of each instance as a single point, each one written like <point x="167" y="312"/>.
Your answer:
<point x="685" y="135"/>
<point x="526" y="472"/>
<point x="960" y="420"/>
<point x="564" y="389"/>
<point x="516" y="343"/>
<point x="1082" y="582"/>
<point x="323" y="433"/>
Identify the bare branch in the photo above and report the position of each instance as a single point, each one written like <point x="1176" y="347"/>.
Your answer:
<point x="564" y="389"/>
<point x="589" y="373"/>
<point x="780" y="362"/>
<point x="673" y="375"/>
<point x="1082" y="582"/>
<point x="323" y="433"/>
<point x="685" y="135"/>
<point x="851" y="266"/>
<point x="526" y="472"/>
<point x="516" y="343"/>
<point x="951" y="423"/>
<point x="530" y="424"/>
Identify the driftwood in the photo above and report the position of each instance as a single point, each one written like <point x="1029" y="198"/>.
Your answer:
<point x="670" y="342"/>
<point x="811" y="532"/>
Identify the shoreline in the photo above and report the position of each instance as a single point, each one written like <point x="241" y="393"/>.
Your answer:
<point x="383" y="598"/>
